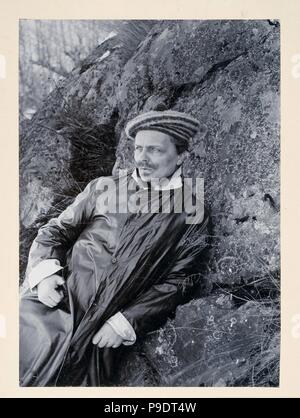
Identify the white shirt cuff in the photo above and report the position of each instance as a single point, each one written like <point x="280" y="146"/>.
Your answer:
<point x="123" y="328"/>
<point x="42" y="270"/>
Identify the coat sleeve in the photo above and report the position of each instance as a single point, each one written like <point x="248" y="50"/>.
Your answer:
<point x="152" y="308"/>
<point x="49" y="248"/>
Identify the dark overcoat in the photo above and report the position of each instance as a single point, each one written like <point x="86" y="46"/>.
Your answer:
<point x="141" y="264"/>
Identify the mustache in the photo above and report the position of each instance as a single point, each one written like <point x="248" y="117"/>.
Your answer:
<point x="144" y="166"/>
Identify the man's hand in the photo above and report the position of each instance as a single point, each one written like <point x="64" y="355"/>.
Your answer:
<point x="107" y="337"/>
<point x="48" y="294"/>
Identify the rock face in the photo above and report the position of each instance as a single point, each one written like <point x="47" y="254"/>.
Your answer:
<point x="72" y="139"/>
<point x="209" y="343"/>
<point x="226" y="74"/>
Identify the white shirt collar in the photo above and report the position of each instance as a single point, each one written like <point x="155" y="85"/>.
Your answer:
<point x="166" y="184"/>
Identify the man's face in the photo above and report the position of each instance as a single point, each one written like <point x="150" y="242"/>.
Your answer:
<point x="155" y="155"/>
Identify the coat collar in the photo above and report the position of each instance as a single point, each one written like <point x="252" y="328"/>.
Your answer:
<point x="173" y="183"/>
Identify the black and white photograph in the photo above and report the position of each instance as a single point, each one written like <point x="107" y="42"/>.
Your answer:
<point x="149" y="203"/>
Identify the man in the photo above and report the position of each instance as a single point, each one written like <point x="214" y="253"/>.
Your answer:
<point x="109" y="268"/>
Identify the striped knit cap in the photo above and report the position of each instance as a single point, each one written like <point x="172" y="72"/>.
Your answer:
<point x="179" y="125"/>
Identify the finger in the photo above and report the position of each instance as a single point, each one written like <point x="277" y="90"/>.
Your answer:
<point x="53" y="300"/>
<point x="109" y="344"/>
<point x="59" y="293"/>
<point x="55" y="297"/>
<point x="102" y="343"/>
<point x="116" y="345"/>
<point x="59" y="281"/>
<point x="97" y="337"/>
<point x="114" y="342"/>
<point x="48" y="302"/>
